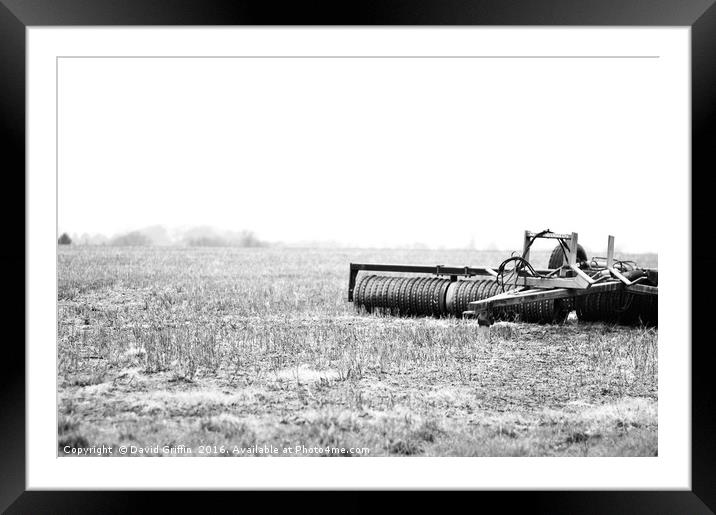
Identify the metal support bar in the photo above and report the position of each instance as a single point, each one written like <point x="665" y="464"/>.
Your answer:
<point x="467" y="271"/>
<point x="352" y="281"/>
<point x="573" y="247"/>
<point x="580" y="273"/>
<point x="610" y="252"/>
<point x="430" y="269"/>
<point x="549" y="235"/>
<point x="616" y="273"/>
<point x="577" y="282"/>
<point x="514" y="297"/>
<point x="642" y="289"/>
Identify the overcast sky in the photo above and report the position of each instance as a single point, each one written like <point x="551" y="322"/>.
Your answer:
<point x="367" y="152"/>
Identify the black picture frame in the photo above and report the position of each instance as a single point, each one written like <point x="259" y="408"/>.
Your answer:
<point x="700" y="15"/>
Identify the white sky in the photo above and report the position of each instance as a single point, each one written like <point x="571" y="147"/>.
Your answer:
<point x="370" y="152"/>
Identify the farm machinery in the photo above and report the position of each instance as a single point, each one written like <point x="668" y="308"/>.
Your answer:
<point x="598" y="289"/>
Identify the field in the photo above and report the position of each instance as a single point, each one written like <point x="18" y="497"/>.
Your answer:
<point x="248" y="351"/>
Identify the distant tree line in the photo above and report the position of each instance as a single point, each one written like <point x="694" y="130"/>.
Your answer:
<point x="159" y="236"/>
<point x="131" y="239"/>
<point x="243" y="239"/>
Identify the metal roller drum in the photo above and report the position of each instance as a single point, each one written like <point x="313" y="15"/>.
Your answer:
<point x="613" y="306"/>
<point x="471" y="293"/>
<point x="403" y="295"/>
<point x="460" y="293"/>
<point x="491" y="289"/>
<point x="444" y="295"/>
<point x="538" y="311"/>
<point x="649" y="310"/>
<point x="383" y="293"/>
<point x="450" y="297"/>
<point x="437" y="293"/>
<point x="427" y="297"/>
<point x="402" y="298"/>
<point x="410" y="296"/>
<point x="434" y="296"/>
<point x="640" y="310"/>
<point x="395" y="294"/>
<point x="526" y="312"/>
<point x="586" y="308"/>
<point x="437" y="297"/>
<point x="501" y="313"/>
<point x="373" y="291"/>
<point x="477" y="291"/>
<point x="388" y="294"/>
<point x="359" y="291"/>
<point x="454" y="297"/>
<point x="415" y="296"/>
<point x="544" y="312"/>
<point x="618" y="307"/>
<point x="368" y="292"/>
<point x="481" y="290"/>
<point x="461" y="296"/>
<point x="413" y="305"/>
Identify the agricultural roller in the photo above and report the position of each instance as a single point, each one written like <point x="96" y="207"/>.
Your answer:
<point x="598" y="289"/>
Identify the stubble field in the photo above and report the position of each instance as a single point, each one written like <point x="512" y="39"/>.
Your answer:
<point x="249" y="350"/>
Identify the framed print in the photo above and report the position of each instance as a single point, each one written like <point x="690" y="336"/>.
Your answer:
<point x="427" y="237"/>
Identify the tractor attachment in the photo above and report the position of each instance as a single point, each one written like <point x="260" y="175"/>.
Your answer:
<point x="600" y="289"/>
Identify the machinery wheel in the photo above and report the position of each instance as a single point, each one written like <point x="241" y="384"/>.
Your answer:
<point x="557" y="257"/>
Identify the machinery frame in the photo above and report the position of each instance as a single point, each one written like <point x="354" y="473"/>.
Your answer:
<point x="518" y="287"/>
<point x="546" y="287"/>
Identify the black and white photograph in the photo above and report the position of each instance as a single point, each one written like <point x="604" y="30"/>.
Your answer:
<point x="415" y="244"/>
<point x="361" y="256"/>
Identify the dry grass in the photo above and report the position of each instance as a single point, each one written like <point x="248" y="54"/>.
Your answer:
<point x="255" y="347"/>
